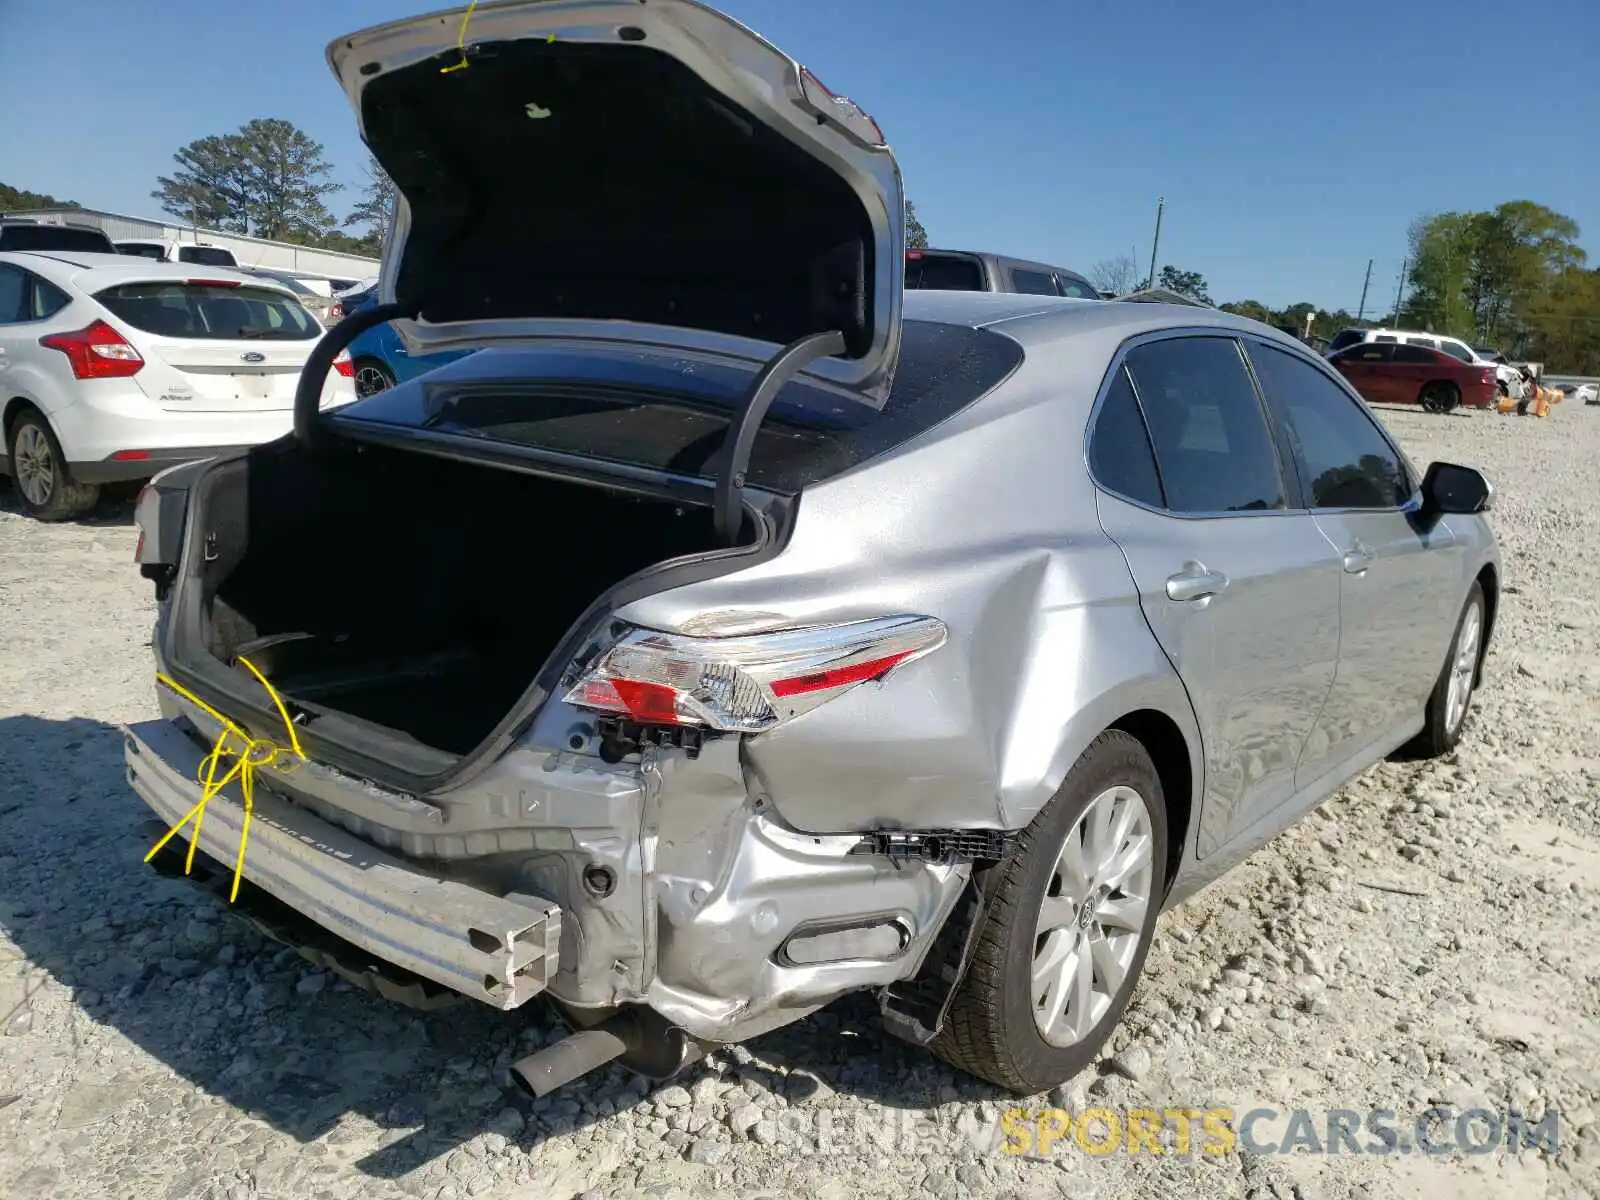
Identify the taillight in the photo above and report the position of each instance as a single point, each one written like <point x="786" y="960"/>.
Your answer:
<point x="842" y="109"/>
<point x="212" y="282"/>
<point x="336" y="311"/>
<point x="749" y="683"/>
<point x="345" y="365"/>
<point x="98" y="352"/>
<point x="1488" y="375"/>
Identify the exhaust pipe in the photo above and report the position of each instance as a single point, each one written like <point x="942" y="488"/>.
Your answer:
<point x="639" y="1038"/>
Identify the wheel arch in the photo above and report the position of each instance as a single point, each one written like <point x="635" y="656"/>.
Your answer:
<point x="14" y="407"/>
<point x="1488" y="578"/>
<point x="1170" y="751"/>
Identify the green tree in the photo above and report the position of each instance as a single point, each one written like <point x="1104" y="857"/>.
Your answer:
<point x="376" y="206"/>
<point x="268" y="179"/>
<point x="1253" y="309"/>
<point x="16" y="199"/>
<point x="916" y="235"/>
<point x="1186" y="283"/>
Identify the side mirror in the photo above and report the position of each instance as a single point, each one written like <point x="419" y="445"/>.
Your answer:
<point x="1450" y="488"/>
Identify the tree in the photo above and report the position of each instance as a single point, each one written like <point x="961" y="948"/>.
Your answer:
<point x="916" y="235"/>
<point x="376" y="206"/>
<point x="16" y="199"/>
<point x="1186" y="283"/>
<point x="268" y="179"/>
<point x="1119" y="275"/>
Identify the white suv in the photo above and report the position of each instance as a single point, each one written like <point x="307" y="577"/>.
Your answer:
<point x="113" y="368"/>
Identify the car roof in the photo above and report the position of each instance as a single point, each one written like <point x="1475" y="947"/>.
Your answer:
<point x="1047" y="318"/>
<point x="110" y="269"/>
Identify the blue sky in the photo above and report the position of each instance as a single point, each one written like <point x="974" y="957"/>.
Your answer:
<point x="1292" y="141"/>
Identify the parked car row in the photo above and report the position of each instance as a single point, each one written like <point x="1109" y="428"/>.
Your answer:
<point x="114" y="367"/>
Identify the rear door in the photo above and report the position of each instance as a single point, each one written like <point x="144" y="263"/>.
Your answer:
<point x="1413" y="366"/>
<point x="1396" y="597"/>
<point x="1238" y="584"/>
<point x="1366" y="366"/>
<point x="214" y="345"/>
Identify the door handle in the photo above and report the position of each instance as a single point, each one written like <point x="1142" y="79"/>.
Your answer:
<point x="1195" y="582"/>
<point x="1357" y="559"/>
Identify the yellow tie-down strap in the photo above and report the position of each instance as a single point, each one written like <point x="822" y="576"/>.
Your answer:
<point x="249" y="755"/>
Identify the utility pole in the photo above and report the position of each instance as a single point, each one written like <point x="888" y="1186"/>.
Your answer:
<point x="1161" y="203"/>
<point x="1400" y="290"/>
<point x="1361" y="311"/>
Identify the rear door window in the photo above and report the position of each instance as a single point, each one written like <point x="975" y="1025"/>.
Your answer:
<point x="1033" y="283"/>
<point x="1212" y="441"/>
<point x="210" y="311"/>
<point x="13" y="295"/>
<point x="944" y="272"/>
<point x="1415" y="355"/>
<point x="1120" y="455"/>
<point x="1457" y="350"/>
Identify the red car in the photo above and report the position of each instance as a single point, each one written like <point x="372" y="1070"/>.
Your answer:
<point x="1397" y="373"/>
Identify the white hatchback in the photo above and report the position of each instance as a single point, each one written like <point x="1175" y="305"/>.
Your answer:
<point x="113" y="368"/>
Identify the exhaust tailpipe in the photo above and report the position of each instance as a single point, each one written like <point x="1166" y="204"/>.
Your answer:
<point x="639" y="1038"/>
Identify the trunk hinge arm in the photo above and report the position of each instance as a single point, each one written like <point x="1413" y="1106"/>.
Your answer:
<point x="308" y="393"/>
<point x="741" y="437"/>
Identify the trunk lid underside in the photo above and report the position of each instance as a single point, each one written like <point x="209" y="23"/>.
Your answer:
<point x="613" y="169"/>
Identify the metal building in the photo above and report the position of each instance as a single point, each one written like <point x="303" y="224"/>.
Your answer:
<point x="247" y="251"/>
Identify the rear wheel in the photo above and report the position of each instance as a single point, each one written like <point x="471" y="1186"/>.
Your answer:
<point x="1453" y="690"/>
<point x="1439" y="397"/>
<point x="1069" y="921"/>
<point x="372" y="377"/>
<point x="39" y="470"/>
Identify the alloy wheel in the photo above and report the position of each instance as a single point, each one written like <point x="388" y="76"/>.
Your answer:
<point x="35" y="465"/>
<point x="1090" y="920"/>
<point x="370" y="380"/>
<point x="1464" y="667"/>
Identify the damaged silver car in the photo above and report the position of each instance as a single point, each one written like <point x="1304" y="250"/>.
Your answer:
<point x="734" y="631"/>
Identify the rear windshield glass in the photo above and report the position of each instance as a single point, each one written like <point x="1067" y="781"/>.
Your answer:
<point x="210" y="256"/>
<point x="621" y="410"/>
<point x="54" y="237"/>
<point x="200" y="310"/>
<point x="945" y="273"/>
<point x="143" y="250"/>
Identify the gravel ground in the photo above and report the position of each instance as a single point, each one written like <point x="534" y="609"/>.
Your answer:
<point x="1429" y="935"/>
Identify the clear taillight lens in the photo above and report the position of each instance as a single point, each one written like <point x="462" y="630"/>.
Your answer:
<point x="750" y="683"/>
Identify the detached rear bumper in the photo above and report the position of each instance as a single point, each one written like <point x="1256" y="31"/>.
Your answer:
<point x="496" y="950"/>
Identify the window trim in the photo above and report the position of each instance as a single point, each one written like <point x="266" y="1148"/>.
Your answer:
<point x="30" y="283"/>
<point x="1293" y="500"/>
<point x="1413" y="477"/>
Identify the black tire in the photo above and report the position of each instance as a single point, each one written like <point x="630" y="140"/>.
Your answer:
<point x="1439" y="396"/>
<point x="990" y="1031"/>
<point x="372" y="377"/>
<point x="1442" y="732"/>
<point x="62" y="498"/>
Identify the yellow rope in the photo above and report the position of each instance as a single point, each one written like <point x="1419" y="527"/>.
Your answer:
<point x="250" y="755"/>
<point x="461" y="42"/>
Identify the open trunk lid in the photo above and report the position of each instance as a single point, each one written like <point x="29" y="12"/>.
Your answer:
<point x="648" y="173"/>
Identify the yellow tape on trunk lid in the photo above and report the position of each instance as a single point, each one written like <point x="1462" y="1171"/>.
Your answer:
<point x="250" y="754"/>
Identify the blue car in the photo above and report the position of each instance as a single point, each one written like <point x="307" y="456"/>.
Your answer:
<point x="380" y="357"/>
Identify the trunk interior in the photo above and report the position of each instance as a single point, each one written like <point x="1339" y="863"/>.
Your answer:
<point x="416" y="594"/>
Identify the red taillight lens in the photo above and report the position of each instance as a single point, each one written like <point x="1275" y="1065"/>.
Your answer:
<point x="98" y="352"/>
<point x="212" y="282"/>
<point x="130" y="456"/>
<point x="746" y="684"/>
<point x="336" y="311"/>
<point x="345" y="365"/>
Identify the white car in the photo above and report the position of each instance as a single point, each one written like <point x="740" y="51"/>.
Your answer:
<point x="113" y="368"/>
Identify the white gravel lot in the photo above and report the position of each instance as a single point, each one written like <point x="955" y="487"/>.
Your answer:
<point x="1428" y="936"/>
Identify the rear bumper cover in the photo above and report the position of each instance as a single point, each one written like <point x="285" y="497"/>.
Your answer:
<point x="121" y="470"/>
<point x="502" y="951"/>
